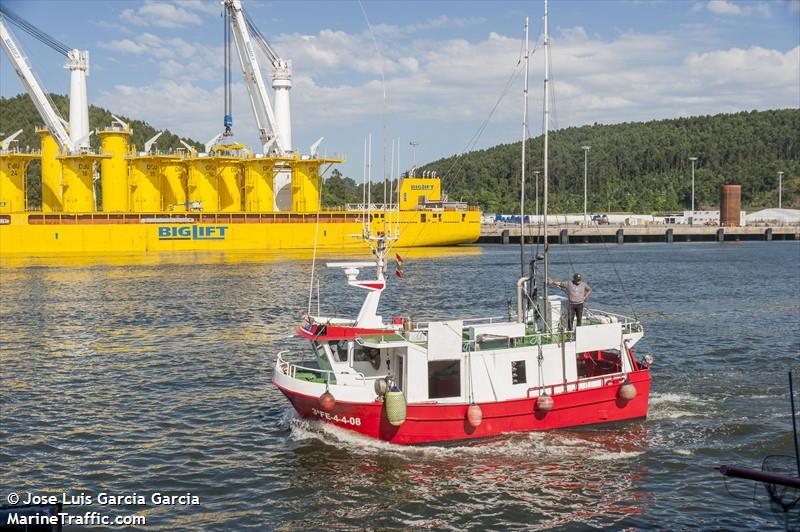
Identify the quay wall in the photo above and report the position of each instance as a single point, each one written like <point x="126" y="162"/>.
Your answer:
<point x="499" y="233"/>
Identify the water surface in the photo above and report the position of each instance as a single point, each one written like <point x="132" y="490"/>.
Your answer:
<point x="156" y="376"/>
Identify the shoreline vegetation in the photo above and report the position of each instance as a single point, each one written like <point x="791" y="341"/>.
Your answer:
<point x="639" y="167"/>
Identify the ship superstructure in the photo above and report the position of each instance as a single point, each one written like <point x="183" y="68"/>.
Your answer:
<point x="225" y="197"/>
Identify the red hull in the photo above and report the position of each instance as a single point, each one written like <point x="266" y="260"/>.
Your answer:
<point x="429" y="423"/>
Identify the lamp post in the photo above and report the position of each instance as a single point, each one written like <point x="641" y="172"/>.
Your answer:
<point x="780" y="188"/>
<point x="585" y="178"/>
<point x="414" y="145"/>
<point x="693" y="159"/>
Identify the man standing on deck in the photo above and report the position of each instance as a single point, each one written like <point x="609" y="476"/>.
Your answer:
<point x="577" y="292"/>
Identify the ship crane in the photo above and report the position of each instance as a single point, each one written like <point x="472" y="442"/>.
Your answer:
<point x="274" y="126"/>
<point x="72" y="137"/>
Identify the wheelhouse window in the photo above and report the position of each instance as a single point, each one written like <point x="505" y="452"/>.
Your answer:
<point x="322" y="356"/>
<point x="444" y="379"/>
<point x="518" y="373"/>
<point x="339" y="350"/>
<point x="367" y="354"/>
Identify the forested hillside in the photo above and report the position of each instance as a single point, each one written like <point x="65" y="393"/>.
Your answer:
<point x="635" y="167"/>
<point x="20" y="113"/>
<point x="641" y="167"/>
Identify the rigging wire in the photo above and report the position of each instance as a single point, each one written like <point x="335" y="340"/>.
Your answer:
<point x="226" y="38"/>
<point x="314" y="256"/>
<point x="448" y="174"/>
<point x="262" y="42"/>
<point x="473" y="140"/>
<point x="32" y="30"/>
<point x="385" y="103"/>
<point x="628" y="299"/>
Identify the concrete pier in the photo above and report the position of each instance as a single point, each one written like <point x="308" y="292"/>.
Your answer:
<point x="614" y="234"/>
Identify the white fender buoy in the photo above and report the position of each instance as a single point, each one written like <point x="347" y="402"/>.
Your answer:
<point x="327" y="401"/>
<point x="474" y="415"/>
<point x="544" y="403"/>
<point x="627" y="391"/>
<point x="395" y="407"/>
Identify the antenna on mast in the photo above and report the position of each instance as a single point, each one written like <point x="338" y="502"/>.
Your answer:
<point x="522" y="179"/>
<point x="546" y="174"/>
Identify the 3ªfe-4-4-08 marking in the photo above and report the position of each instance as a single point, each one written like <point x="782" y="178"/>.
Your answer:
<point x="355" y="421"/>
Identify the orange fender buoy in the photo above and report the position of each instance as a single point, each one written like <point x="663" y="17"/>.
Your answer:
<point x="627" y="391"/>
<point x="474" y="415"/>
<point x="327" y="401"/>
<point x="544" y="403"/>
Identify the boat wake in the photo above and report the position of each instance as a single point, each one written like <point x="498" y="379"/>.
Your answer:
<point x="676" y="406"/>
<point x="531" y="446"/>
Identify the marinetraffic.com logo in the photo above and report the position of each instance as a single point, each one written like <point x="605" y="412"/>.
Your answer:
<point x="193" y="232"/>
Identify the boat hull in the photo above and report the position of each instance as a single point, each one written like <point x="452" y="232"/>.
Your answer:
<point x="97" y="233"/>
<point x="431" y="422"/>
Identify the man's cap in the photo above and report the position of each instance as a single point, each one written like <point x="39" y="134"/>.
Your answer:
<point x="576" y="277"/>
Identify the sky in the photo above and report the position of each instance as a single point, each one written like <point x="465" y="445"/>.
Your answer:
<point x="444" y="66"/>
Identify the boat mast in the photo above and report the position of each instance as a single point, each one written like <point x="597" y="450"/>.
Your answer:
<point x="546" y="130"/>
<point x="522" y="180"/>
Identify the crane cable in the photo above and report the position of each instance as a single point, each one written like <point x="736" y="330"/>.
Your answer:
<point x="32" y="30"/>
<point x="271" y="54"/>
<point x="228" y="120"/>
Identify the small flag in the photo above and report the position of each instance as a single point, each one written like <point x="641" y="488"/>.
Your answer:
<point x="398" y="258"/>
<point x="399" y="267"/>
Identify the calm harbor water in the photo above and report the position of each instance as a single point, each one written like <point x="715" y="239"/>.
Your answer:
<point x="156" y="377"/>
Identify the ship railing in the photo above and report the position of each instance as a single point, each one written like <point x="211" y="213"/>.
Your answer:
<point x="629" y="325"/>
<point x="290" y="369"/>
<point x="370" y="207"/>
<point x="506" y="342"/>
<point x="423" y="325"/>
<point x="588" y="383"/>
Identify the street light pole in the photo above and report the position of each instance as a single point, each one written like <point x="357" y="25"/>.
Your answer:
<point x="693" y="159"/>
<point x="780" y="189"/>
<point x="414" y="145"/>
<point x="585" y="178"/>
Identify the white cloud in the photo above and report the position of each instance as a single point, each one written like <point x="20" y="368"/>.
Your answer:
<point x="175" y="58"/>
<point x="737" y="67"/>
<point x="448" y="86"/>
<point x="725" y="7"/>
<point x="169" y="14"/>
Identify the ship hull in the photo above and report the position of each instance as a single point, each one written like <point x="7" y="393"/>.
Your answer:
<point x="51" y="234"/>
<point x="435" y="423"/>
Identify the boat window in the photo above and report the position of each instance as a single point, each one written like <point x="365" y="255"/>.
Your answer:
<point x="444" y="379"/>
<point x="339" y="350"/>
<point x="518" y="373"/>
<point x="422" y="218"/>
<point x="367" y="354"/>
<point x="322" y="357"/>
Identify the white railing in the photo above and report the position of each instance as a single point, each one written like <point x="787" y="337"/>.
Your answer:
<point x="290" y="369"/>
<point x="631" y="324"/>
<point x="423" y="325"/>
<point x="373" y="207"/>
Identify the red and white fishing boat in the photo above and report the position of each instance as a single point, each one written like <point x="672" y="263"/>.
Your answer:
<point x="442" y="381"/>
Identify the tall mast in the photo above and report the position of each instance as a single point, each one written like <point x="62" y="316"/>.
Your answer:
<point x="522" y="180"/>
<point x="546" y="154"/>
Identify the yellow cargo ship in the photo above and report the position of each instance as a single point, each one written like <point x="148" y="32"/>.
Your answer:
<point x="188" y="201"/>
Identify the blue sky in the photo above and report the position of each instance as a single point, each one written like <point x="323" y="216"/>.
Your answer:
<point x="446" y="64"/>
